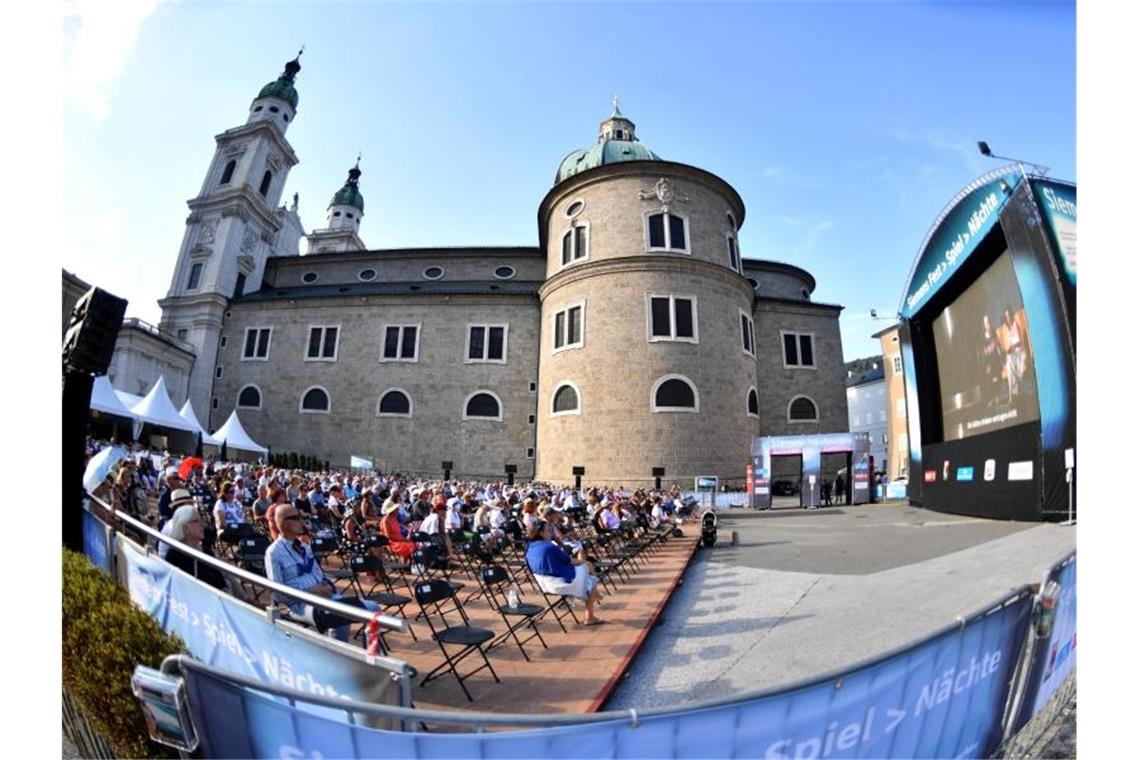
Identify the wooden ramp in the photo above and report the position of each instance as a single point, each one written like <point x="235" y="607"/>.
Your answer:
<point x="579" y="669"/>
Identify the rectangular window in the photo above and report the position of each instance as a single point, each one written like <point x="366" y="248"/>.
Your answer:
<point x="568" y="328"/>
<point x="672" y="318"/>
<point x="401" y="343"/>
<point x="733" y="254"/>
<point x="195" y="277"/>
<point x="530" y="419"/>
<point x="487" y="343"/>
<point x="214" y="403"/>
<point x="322" y="344"/>
<point x="896" y="362"/>
<point x="256" y="343"/>
<point x="799" y="349"/>
<point x="217" y="373"/>
<point x="182" y="333"/>
<point x="747" y="335"/>
<point x="575" y="244"/>
<point x="667" y="232"/>
<point x="224" y="341"/>
<point x="530" y="453"/>
<point x="239" y="287"/>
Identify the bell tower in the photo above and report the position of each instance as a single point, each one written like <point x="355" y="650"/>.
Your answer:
<point x="234" y="225"/>
<point x="342" y="221"/>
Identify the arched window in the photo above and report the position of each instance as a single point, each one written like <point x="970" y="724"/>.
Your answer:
<point x="394" y="403"/>
<point x="566" y="400"/>
<point x="265" y="180"/>
<point x="315" y="400"/>
<point x="228" y="173"/>
<point x="666" y="232"/>
<point x="674" y="393"/>
<point x="802" y="409"/>
<point x="249" y="397"/>
<point x="753" y="403"/>
<point x="483" y="405"/>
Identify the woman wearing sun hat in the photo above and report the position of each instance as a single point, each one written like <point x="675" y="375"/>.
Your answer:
<point x="390" y="528"/>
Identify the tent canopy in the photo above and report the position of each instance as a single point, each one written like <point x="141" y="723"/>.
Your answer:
<point x="157" y="409"/>
<point x="235" y="436"/>
<point x="105" y="399"/>
<point x="187" y="413"/>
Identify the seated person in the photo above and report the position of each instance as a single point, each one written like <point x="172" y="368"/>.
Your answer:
<point x="557" y="573"/>
<point x="261" y="504"/>
<point x="290" y="561"/>
<point x="227" y="509"/>
<point x="390" y="529"/>
<point x="186" y="526"/>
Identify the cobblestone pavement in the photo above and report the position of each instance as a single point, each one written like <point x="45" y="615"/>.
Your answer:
<point x="1060" y="742"/>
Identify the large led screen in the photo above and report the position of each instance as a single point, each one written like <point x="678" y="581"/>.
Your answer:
<point x="985" y="361"/>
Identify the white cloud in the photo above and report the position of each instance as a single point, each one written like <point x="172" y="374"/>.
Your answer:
<point x="97" y="40"/>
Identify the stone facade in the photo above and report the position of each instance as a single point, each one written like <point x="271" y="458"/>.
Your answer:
<point x="653" y="235"/>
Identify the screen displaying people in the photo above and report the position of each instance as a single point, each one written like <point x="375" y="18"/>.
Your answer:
<point x="985" y="361"/>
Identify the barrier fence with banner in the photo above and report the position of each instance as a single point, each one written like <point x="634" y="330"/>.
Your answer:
<point x="944" y="697"/>
<point x="230" y="634"/>
<point x="262" y="687"/>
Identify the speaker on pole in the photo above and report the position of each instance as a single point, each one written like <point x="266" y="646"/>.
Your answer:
<point x="88" y="344"/>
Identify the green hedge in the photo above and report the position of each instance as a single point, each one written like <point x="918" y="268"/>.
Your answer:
<point x="104" y="637"/>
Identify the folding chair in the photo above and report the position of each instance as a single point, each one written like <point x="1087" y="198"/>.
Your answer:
<point x="250" y="554"/>
<point x="324" y="547"/>
<point x="435" y="597"/>
<point x="232" y="535"/>
<point x="366" y="564"/>
<point x="557" y="604"/>
<point x="495" y="580"/>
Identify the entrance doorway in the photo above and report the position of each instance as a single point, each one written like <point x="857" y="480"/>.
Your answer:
<point x="834" y="465"/>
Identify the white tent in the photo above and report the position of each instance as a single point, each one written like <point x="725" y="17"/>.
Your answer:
<point x="235" y="436"/>
<point x="157" y="409"/>
<point x="105" y="399"/>
<point x="129" y="400"/>
<point x="187" y="413"/>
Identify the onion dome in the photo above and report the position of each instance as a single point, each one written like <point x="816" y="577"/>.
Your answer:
<point x="349" y="195"/>
<point x="282" y="87"/>
<point x="617" y="142"/>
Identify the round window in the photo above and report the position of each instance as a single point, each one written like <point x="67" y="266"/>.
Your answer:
<point x="336" y="213"/>
<point x="753" y="283"/>
<point x="309" y="277"/>
<point x="575" y="208"/>
<point x="505" y="273"/>
<point x="285" y="116"/>
<point x="258" y="109"/>
<point x="274" y="109"/>
<point x="433" y="273"/>
<point x="349" y="215"/>
<point x="367" y="274"/>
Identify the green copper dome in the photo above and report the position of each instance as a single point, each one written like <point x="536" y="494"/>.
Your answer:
<point x="349" y="195"/>
<point x="282" y="87"/>
<point x="616" y="143"/>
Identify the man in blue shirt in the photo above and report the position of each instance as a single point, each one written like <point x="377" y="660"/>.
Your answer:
<point x="558" y="573"/>
<point x="291" y="562"/>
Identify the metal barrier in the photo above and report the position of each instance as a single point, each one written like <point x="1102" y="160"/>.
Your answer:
<point x="939" y="696"/>
<point x="320" y="602"/>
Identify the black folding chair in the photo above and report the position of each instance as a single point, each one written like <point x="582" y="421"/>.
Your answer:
<point x="495" y="581"/>
<point x="436" y="598"/>
<point x="557" y="604"/>
<point x="368" y="564"/>
<point x="324" y="547"/>
<point x="232" y="535"/>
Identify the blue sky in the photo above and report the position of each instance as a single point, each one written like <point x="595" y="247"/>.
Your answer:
<point x="845" y="127"/>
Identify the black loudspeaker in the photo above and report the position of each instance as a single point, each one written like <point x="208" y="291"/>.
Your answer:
<point x="90" y="337"/>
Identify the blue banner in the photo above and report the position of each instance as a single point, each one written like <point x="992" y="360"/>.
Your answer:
<point x="1055" y="657"/>
<point x="942" y="698"/>
<point x="1058" y="203"/>
<point x="96" y="542"/>
<point x="957" y="235"/>
<point x="228" y="634"/>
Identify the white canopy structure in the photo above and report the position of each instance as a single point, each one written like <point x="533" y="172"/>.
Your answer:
<point x="187" y="413"/>
<point x="129" y="400"/>
<point x="235" y="436"/>
<point x="157" y="409"/>
<point x="105" y="399"/>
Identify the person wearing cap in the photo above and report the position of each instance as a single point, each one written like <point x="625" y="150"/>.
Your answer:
<point x="179" y="497"/>
<point x="173" y="482"/>
<point x="556" y="572"/>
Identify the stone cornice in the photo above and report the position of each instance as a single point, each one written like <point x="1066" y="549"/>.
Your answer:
<point x="247" y="130"/>
<point x="198" y="299"/>
<point x="790" y="306"/>
<point x="639" y="170"/>
<point x="241" y="201"/>
<point x="656" y="262"/>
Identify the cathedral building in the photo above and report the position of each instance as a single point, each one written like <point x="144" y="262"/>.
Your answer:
<point x="635" y="335"/>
